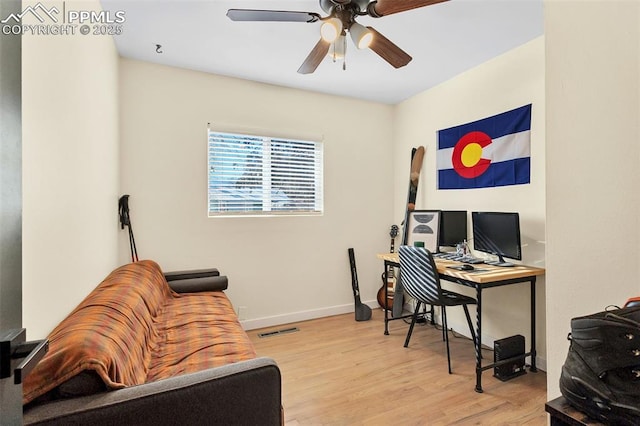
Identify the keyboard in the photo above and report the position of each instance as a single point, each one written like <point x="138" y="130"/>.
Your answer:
<point x="440" y="254"/>
<point x="471" y="260"/>
<point x="459" y="258"/>
<point x="451" y="256"/>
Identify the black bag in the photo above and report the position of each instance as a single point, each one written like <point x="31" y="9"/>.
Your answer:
<point x="601" y="375"/>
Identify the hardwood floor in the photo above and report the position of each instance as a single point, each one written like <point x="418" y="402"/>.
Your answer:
<point x="336" y="371"/>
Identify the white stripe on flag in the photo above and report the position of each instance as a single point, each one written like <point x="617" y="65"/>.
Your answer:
<point x="509" y="147"/>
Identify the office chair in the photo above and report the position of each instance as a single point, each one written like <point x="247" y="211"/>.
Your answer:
<point x="421" y="281"/>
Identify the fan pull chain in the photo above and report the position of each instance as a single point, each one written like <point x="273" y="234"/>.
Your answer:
<point x="344" y="59"/>
<point x="335" y="55"/>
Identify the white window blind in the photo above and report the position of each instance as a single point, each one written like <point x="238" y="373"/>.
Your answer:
<point x="261" y="175"/>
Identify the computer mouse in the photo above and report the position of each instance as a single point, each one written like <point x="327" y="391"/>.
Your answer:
<point x="467" y="267"/>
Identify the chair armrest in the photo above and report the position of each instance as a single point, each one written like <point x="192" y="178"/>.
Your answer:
<point x="247" y="392"/>
<point x="195" y="285"/>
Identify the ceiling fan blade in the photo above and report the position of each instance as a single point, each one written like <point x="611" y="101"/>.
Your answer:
<point x="271" y="15"/>
<point x="388" y="51"/>
<point x="381" y="8"/>
<point x="316" y="56"/>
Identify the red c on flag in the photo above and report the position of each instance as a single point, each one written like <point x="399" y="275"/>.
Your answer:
<point x="467" y="155"/>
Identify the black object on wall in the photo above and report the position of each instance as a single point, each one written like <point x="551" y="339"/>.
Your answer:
<point x="125" y="220"/>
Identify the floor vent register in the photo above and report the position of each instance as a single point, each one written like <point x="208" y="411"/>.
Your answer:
<point x="278" y="332"/>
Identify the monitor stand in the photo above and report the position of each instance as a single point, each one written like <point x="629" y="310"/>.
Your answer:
<point x="500" y="262"/>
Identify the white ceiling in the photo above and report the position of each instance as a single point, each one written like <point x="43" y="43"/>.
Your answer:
<point x="444" y="40"/>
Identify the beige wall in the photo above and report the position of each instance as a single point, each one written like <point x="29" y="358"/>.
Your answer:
<point x="70" y="171"/>
<point x="593" y="150"/>
<point x="280" y="268"/>
<point x="509" y="81"/>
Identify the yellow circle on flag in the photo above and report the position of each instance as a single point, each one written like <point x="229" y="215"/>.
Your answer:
<point x="471" y="154"/>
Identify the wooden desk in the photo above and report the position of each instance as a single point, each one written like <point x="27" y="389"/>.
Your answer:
<point x="485" y="276"/>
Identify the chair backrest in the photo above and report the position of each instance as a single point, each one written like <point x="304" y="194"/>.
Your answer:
<point x="419" y="275"/>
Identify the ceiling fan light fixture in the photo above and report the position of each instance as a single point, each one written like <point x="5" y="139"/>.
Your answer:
<point x="361" y="35"/>
<point x="331" y="29"/>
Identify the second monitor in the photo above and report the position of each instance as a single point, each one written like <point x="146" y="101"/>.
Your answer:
<point x="453" y="227"/>
<point x="497" y="233"/>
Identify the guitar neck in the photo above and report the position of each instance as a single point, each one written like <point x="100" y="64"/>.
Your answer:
<point x="393" y="233"/>
<point x="391" y="269"/>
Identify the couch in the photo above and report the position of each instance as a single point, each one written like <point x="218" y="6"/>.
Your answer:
<point x="148" y="348"/>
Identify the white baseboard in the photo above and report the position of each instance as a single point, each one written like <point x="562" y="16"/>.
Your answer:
<point x="273" y="321"/>
<point x="541" y="364"/>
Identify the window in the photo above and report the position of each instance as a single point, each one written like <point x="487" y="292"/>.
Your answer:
<point x="261" y="175"/>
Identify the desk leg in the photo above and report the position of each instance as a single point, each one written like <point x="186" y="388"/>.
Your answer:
<point x="386" y="298"/>
<point x="533" y="325"/>
<point x="478" y="342"/>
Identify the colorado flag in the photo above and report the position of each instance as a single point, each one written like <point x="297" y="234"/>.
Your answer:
<point x="494" y="151"/>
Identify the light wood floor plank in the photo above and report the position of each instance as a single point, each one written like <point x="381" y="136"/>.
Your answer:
<point x="336" y="371"/>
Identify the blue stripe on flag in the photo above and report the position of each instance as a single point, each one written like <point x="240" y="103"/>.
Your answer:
<point x="513" y="172"/>
<point x="514" y="121"/>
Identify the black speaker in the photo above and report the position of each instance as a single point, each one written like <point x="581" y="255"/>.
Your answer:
<point x="507" y="348"/>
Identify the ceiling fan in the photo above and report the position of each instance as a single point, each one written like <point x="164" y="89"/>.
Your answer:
<point x="341" y="19"/>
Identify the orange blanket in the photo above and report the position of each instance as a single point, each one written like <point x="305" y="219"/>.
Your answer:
<point x="133" y="329"/>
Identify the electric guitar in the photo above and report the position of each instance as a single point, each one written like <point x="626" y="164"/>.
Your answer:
<point x="390" y="284"/>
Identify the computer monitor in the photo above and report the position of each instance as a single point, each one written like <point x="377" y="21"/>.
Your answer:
<point x="497" y="233"/>
<point x="453" y="227"/>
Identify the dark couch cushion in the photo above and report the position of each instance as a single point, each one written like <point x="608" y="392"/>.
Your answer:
<point x="196" y="285"/>
<point x="194" y="273"/>
<point x="86" y="383"/>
